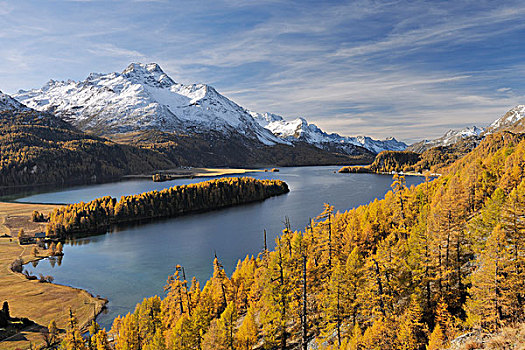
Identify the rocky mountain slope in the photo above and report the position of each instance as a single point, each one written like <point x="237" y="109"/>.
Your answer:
<point x="7" y="103"/>
<point x="143" y="97"/>
<point x="39" y="148"/>
<point x="512" y="121"/>
<point x="451" y="137"/>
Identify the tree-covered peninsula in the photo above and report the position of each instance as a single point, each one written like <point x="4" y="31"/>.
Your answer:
<point x="97" y="215"/>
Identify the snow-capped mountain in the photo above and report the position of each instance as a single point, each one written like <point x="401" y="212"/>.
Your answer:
<point x="451" y="137"/>
<point x="513" y="120"/>
<point x="508" y="121"/>
<point x="300" y="130"/>
<point x="7" y="103"/>
<point x="143" y="97"/>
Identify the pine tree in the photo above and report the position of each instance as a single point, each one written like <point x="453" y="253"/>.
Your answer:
<point x="73" y="339"/>
<point x="128" y="336"/>
<point x="437" y="339"/>
<point x="335" y="308"/>
<point x="99" y="341"/>
<point x="485" y="305"/>
<point x="246" y="336"/>
<point x="513" y="225"/>
<point x="398" y="187"/>
<point x="227" y="325"/>
<point x="411" y="331"/>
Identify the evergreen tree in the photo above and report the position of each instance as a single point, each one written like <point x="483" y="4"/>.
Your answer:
<point x="246" y="336"/>
<point x="73" y="339"/>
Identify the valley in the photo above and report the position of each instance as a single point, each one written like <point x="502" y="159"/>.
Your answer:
<point x="31" y="299"/>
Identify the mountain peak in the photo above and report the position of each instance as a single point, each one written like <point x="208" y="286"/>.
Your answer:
<point x="148" y="73"/>
<point x="300" y="129"/>
<point x="142" y="67"/>
<point x="509" y="120"/>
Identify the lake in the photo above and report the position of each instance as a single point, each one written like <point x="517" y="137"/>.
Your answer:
<point x="134" y="262"/>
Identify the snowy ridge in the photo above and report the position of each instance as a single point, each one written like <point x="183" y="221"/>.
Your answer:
<point x="510" y="118"/>
<point x="509" y="121"/>
<point x="300" y="130"/>
<point x="7" y="103"/>
<point x="143" y="97"/>
<point x="451" y="137"/>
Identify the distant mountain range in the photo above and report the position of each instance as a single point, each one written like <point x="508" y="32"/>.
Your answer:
<point x="143" y="97"/>
<point x="513" y="121"/>
<point x="140" y="121"/>
<point x="300" y="130"/>
<point x="451" y="137"/>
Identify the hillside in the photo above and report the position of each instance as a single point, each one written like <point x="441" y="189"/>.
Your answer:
<point x="416" y="270"/>
<point x="212" y="150"/>
<point x="38" y="148"/>
<point x="433" y="159"/>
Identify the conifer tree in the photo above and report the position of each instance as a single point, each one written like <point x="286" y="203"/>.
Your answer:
<point x="437" y="339"/>
<point x="246" y="336"/>
<point x="485" y="304"/>
<point x="227" y="325"/>
<point x="99" y="341"/>
<point x="73" y="339"/>
<point x="128" y="336"/>
<point x="411" y="331"/>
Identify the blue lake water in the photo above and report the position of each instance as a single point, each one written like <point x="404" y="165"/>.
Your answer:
<point x="133" y="262"/>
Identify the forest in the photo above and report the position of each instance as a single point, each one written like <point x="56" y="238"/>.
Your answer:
<point x="411" y="271"/>
<point x="97" y="215"/>
<point x="37" y="148"/>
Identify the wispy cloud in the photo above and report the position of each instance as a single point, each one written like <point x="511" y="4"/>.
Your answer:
<point x="111" y="50"/>
<point x="401" y="68"/>
<point x="5" y="8"/>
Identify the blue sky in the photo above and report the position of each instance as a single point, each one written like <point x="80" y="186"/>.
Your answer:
<point x="409" y="69"/>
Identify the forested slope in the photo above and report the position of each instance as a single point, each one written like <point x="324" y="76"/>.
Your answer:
<point x="213" y="150"/>
<point x="433" y="159"/>
<point x="38" y="148"/>
<point x="411" y="271"/>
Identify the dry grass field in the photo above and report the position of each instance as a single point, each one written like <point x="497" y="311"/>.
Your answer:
<point x="40" y="302"/>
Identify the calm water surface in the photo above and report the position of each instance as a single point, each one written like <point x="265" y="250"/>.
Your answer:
<point x="133" y="262"/>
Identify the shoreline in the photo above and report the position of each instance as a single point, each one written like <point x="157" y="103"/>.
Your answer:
<point x="30" y="298"/>
<point x="33" y="301"/>
<point x="189" y="173"/>
<point x="354" y="169"/>
<point x="10" y="194"/>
